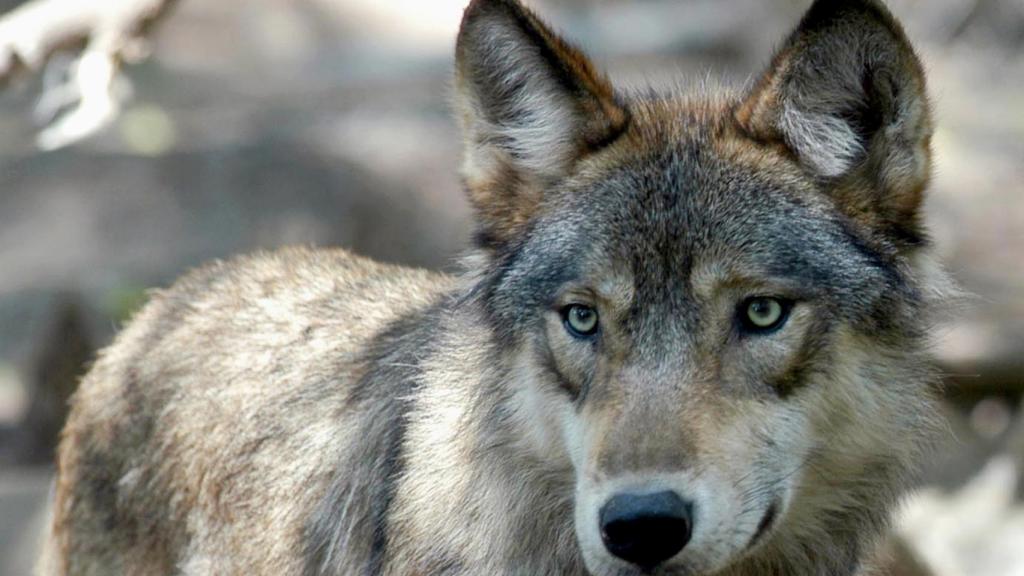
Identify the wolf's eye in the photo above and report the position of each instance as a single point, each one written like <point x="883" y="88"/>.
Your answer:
<point x="764" y="314"/>
<point x="580" y="320"/>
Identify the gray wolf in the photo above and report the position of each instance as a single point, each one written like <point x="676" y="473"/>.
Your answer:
<point x="690" y="338"/>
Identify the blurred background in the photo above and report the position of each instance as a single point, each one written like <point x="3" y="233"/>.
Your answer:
<point x="260" y="123"/>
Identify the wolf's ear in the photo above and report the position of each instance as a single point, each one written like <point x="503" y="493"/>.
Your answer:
<point x="531" y="105"/>
<point x="846" y="95"/>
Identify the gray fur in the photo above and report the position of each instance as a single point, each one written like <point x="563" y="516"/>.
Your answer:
<point x="311" y="412"/>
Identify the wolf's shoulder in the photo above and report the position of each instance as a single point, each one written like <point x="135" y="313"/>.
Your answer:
<point x="303" y="273"/>
<point x="253" y="360"/>
<point x="309" y="286"/>
<point x="292" y="314"/>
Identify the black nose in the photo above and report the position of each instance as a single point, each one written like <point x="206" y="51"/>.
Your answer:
<point x="645" y="529"/>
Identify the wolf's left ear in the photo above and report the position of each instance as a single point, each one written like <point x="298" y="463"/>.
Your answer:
<point x="846" y="95"/>
<point x="531" y="105"/>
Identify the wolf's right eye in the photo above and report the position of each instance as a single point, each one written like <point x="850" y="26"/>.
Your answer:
<point x="580" y="320"/>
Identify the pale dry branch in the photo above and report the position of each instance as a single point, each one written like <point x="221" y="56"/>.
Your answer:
<point x="102" y="33"/>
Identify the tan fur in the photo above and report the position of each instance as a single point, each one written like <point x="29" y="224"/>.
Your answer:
<point x="312" y="412"/>
<point x="212" y="456"/>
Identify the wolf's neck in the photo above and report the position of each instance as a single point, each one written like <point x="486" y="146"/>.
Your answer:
<point x="473" y="490"/>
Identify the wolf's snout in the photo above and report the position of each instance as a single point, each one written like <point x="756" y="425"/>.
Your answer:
<point x="645" y="529"/>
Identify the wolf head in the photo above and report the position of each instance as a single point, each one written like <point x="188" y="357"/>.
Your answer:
<point x="713" y="305"/>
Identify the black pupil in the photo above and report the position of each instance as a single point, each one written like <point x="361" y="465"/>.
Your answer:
<point x="761" y="308"/>
<point x="582" y="316"/>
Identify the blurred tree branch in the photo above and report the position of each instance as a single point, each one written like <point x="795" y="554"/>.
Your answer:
<point x="978" y="7"/>
<point x="81" y="98"/>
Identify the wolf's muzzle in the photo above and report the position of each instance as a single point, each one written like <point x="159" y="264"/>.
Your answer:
<point x="646" y="529"/>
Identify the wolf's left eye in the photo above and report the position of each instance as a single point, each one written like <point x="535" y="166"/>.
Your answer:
<point x="764" y="314"/>
<point x="580" y="320"/>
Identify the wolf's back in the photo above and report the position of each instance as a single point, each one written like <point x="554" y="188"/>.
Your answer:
<point x="223" y="403"/>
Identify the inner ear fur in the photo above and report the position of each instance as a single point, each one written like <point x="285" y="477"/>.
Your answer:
<point x="531" y="105"/>
<point x="846" y="95"/>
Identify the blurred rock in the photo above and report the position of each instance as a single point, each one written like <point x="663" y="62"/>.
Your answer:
<point x="895" y="557"/>
<point x="23" y="508"/>
<point x="976" y="531"/>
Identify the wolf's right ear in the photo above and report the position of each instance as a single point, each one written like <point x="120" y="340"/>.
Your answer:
<point x="531" y="105"/>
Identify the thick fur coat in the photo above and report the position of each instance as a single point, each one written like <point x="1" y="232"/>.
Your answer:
<point x="312" y="412"/>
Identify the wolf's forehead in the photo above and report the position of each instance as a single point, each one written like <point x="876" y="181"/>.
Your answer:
<point x="684" y="200"/>
<point x="692" y="210"/>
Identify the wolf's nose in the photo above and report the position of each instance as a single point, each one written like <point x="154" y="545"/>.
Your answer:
<point x="645" y="529"/>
